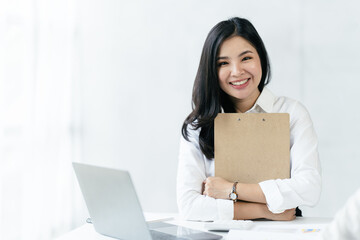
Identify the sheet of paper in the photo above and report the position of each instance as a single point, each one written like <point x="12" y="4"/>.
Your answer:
<point x="278" y="232"/>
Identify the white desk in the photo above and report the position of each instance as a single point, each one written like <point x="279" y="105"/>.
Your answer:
<point x="87" y="231"/>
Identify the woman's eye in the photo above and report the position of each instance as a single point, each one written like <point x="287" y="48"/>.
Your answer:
<point x="246" y="58"/>
<point x="222" y="64"/>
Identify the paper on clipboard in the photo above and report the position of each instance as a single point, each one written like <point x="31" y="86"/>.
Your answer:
<point x="252" y="147"/>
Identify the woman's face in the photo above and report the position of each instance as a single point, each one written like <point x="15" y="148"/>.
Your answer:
<point x="239" y="70"/>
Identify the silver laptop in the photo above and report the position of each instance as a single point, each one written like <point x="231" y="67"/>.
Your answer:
<point x="115" y="210"/>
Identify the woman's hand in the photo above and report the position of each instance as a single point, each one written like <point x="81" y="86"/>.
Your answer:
<point x="217" y="187"/>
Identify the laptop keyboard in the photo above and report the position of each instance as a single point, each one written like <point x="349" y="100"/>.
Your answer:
<point x="156" y="235"/>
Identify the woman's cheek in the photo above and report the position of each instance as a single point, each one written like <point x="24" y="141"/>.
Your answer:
<point x="223" y="75"/>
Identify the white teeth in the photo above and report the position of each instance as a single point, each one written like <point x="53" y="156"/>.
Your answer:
<point x="239" y="83"/>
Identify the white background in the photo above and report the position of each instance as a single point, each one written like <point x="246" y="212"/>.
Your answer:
<point x="130" y="67"/>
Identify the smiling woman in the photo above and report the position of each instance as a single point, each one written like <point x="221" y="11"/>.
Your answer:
<point x="233" y="72"/>
<point x="239" y="70"/>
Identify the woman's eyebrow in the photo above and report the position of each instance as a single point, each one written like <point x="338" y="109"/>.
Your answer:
<point x="241" y="54"/>
<point x="245" y="52"/>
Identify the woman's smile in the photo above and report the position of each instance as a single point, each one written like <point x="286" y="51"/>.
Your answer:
<point x="240" y="84"/>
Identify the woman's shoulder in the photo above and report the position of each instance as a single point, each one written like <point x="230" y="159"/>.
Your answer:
<point x="297" y="111"/>
<point x="279" y="104"/>
<point x="289" y="105"/>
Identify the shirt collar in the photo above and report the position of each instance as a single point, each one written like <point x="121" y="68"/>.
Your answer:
<point x="265" y="101"/>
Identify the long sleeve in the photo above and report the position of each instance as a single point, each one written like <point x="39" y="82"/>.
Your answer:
<point x="304" y="186"/>
<point x="193" y="169"/>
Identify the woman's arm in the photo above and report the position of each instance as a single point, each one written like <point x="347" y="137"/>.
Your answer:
<point x="220" y="188"/>
<point x="254" y="204"/>
<point x="192" y="170"/>
<point x="304" y="186"/>
<point x="247" y="210"/>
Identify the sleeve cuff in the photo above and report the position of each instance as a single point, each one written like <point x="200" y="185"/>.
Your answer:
<point x="225" y="209"/>
<point x="273" y="196"/>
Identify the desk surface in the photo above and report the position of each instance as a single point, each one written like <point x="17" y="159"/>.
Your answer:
<point x="87" y="231"/>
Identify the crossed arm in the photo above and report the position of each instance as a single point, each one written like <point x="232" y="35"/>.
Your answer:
<point x="252" y="201"/>
<point x="303" y="188"/>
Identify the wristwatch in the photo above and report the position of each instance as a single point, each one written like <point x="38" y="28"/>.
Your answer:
<point x="233" y="195"/>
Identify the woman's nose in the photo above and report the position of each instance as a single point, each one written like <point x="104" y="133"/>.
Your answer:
<point x="236" y="70"/>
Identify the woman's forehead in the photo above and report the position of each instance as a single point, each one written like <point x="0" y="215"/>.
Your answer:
<point x="234" y="45"/>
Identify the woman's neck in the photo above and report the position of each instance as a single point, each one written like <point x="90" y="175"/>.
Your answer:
<point x="244" y="105"/>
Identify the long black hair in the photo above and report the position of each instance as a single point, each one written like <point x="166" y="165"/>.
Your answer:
<point x="207" y="97"/>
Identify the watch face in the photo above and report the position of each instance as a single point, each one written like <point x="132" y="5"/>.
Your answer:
<point x="233" y="196"/>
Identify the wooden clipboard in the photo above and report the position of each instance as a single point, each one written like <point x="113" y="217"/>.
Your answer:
<point x="252" y="147"/>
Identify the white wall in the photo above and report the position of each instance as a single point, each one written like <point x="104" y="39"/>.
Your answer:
<point x="138" y="59"/>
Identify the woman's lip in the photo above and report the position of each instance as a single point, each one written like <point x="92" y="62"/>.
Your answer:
<point x="245" y="80"/>
<point x="241" y="86"/>
<point x="240" y="80"/>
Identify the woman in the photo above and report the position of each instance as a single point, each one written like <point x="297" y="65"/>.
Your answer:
<point x="233" y="72"/>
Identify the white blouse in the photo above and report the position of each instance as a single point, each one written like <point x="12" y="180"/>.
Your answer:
<point x="302" y="189"/>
